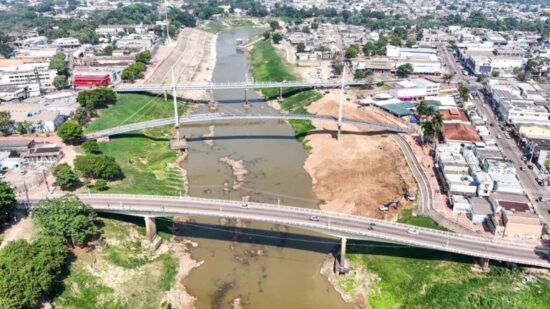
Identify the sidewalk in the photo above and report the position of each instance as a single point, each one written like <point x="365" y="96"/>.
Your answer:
<point x="441" y="204"/>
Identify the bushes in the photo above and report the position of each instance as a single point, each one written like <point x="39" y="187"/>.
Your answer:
<point x="70" y="131"/>
<point x="65" y="177"/>
<point x="7" y="202"/>
<point x="66" y="218"/>
<point x="28" y="271"/>
<point x="99" y="167"/>
<point x="100" y="97"/>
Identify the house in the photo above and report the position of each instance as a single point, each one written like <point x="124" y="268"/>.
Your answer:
<point x="66" y="42"/>
<point x="16" y="145"/>
<point x="481" y="209"/>
<point x="523" y="225"/>
<point x="460" y="204"/>
<point x="415" y="89"/>
<point x="462" y="133"/>
<point x="12" y="93"/>
<point x="43" y="153"/>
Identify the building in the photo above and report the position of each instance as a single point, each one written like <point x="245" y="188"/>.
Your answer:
<point x="11" y="93"/>
<point x="26" y="74"/>
<point x="461" y="133"/>
<point x="460" y="204"/>
<point x="16" y="145"/>
<point x="66" y="42"/>
<point x="415" y="89"/>
<point x="481" y="210"/>
<point x="90" y="81"/>
<point x="40" y="119"/>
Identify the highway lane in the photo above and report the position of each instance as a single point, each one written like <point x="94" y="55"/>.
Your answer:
<point x="353" y="227"/>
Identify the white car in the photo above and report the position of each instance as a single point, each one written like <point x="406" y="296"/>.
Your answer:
<point x="314" y="218"/>
<point x="244" y="205"/>
<point x="412" y="231"/>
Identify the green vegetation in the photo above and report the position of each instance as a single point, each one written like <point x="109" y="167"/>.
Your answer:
<point x="125" y="258"/>
<point x="66" y="218"/>
<point x="29" y="271"/>
<point x="419" y="278"/>
<point x="407" y="217"/>
<point x="7" y="202"/>
<point x="267" y="65"/>
<point x="214" y="26"/>
<point x="145" y="158"/>
<point x="65" y="177"/>
<point x="98" y="167"/>
<point x="70" y="131"/>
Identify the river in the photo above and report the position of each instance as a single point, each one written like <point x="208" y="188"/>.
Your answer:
<point x="266" y="266"/>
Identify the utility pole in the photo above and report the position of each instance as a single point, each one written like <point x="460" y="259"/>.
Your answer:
<point x="341" y="103"/>
<point x="176" y="118"/>
<point x="168" y="39"/>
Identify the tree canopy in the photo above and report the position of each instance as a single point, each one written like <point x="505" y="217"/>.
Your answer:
<point x="100" y="97"/>
<point x="405" y="70"/>
<point x="7" y="202"/>
<point x="98" y="166"/>
<point x="66" y="218"/>
<point x="28" y="271"/>
<point x="58" y="63"/>
<point x="143" y="57"/>
<point x="5" y="123"/>
<point x="70" y="131"/>
<point x="65" y="177"/>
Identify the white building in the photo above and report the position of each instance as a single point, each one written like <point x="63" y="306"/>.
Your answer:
<point x="26" y="74"/>
<point x="66" y="42"/>
<point x="414" y="89"/>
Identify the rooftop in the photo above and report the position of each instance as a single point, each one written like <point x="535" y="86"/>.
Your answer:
<point x="460" y="132"/>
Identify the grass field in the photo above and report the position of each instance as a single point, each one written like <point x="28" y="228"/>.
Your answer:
<point x="145" y="157"/>
<point x="419" y="278"/>
<point x="214" y="26"/>
<point x="418" y="220"/>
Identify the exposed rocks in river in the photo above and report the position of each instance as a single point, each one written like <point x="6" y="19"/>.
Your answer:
<point x="208" y="138"/>
<point x="352" y="287"/>
<point x="239" y="171"/>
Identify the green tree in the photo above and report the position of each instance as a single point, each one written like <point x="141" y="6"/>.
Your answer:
<point x="67" y="218"/>
<point x="65" y="177"/>
<point x="360" y="74"/>
<point x="90" y="147"/>
<point x="274" y="25"/>
<point x="81" y="116"/>
<point x="59" y="81"/>
<point x="266" y="35"/>
<point x="28" y="271"/>
<point x="143" y="57"/>
<point x="352" y="52"/>
<point x="277" y="37"/>
<point x="5" y="123"/>
<point x="70" y="131"/>
<point x="7" y="202"/>
<point x="301" y="47"/>
<point x="23" y="127"/>
<point x="107" y="50"/>
<point x="463" y="92"/>
<point x="405" y="70"/>
<point x="100" y="97"/>
<point x="428" y="130"/>
<point x="58" y="63"/>
<point x="98" y="166"/>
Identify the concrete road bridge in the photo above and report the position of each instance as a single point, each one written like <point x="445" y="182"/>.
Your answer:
<point x="209" y="117"/>
<point x="330" y="223"/>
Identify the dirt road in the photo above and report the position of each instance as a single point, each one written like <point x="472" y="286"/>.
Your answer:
<point x="193" y="59"/>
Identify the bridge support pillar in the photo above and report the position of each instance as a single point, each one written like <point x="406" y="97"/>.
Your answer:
<point x="341" y="264"/>
<point x="484" y="263"/>
<point x="151" y="233"/>
<point x="280" y="93"/>
<point x="246" y="96"/>
<point x="165" y="95"/>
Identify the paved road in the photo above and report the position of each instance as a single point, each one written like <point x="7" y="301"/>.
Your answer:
<point x="197" y="118"/>
<point x="353" y="227"/>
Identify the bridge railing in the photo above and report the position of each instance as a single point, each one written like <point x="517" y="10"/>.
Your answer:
<point x="311" y="211"/>
<point x="337" y="230"/>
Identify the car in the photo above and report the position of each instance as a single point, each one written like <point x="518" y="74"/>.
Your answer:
<point x="521" y="168"/>
<point x="244" y="205"/>
<point x="412" y="231"/>
<point x="498" y="136"/>
<point x="314" y="218"/>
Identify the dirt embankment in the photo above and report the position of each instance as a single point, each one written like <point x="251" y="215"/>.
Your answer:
<point x="362" y="169"/>
<point x="193" y="58"/>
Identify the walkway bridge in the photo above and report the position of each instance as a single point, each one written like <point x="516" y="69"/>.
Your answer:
<point x="241" y="85"/>
<point x="331" y="223"/>
<point x="198" y="118"/>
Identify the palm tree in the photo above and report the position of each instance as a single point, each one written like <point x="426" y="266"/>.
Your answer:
<point x="428" y="130"/>
<point x="437" y="121"/>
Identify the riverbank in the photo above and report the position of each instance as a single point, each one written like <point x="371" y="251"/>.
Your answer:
<point x="193" y="58"/>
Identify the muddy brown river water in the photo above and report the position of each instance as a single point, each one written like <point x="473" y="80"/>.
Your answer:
<point x="264" y="265"/>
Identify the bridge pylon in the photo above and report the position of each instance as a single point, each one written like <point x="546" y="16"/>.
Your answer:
<point x="341" y="104"/>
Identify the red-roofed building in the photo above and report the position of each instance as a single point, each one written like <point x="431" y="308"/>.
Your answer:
<point x="460" y="133"/>
<point x="453" y="115"/>
<point x="89" y="81"/>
